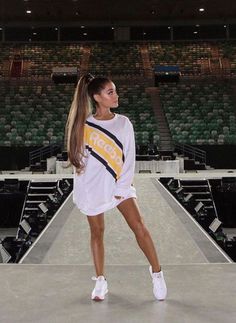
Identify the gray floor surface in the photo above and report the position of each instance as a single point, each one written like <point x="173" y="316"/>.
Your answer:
<point x="53" y="283"/>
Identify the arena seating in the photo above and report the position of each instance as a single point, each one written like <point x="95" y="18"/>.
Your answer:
<point x="41" y="58"/>
<point x="115" y="59"/>
<point x="186" y="55"/>
<point x="199" y="113"/>
<point x="34" y="115"/>
<point x="228" y="50"/>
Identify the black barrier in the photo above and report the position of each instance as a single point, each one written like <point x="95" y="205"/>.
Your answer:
<point x="65" y="75"/>
<point x="166" y="74"/>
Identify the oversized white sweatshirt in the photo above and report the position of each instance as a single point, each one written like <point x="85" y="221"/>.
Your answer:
<point x="109" y="165"/>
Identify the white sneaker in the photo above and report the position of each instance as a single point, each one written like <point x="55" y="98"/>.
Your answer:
<point x="159" y="285"/>
<point x="100" y="289"/>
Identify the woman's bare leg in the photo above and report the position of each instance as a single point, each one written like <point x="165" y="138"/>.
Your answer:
<point x="96" y="224"/>
<point x="129" y="209"/>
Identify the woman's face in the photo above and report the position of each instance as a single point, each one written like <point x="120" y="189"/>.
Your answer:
<point x="108" y="97"/>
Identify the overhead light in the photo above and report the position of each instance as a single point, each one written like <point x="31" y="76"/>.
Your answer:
<point x="225" y="26"/>
<point x="197" y="26"/>
<point x="144" y="33"/>
<point x="0" y="28"/>
<point x="195" y="32"/>
<point x="28" y="11"/>
<point x="56" y="28"/>
<point x="34" y="33"/>
<point x="201" y="9"/>
<point x="112" y="28"/>
<point x="85" y="34"/>
<point x="82" y="27"/>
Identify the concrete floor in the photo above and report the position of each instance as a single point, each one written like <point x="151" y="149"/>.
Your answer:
<point x="61" y="294"/>
<point x="53" y="283"/>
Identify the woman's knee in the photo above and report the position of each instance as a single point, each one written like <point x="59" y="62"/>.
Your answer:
<point x="97" y="232"/>
<point x="96" y="224"/>
<point x="140" y="229"/>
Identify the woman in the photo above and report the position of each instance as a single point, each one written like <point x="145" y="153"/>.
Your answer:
<point x="101" y="148"/>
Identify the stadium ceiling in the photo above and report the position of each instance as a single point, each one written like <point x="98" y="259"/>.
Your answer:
<point x="115" y="12"/>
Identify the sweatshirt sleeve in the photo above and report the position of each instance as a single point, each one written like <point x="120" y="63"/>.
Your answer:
<point x="126" y="178"/>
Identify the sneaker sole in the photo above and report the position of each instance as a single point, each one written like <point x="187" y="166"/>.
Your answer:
<point x="97" y="299"/>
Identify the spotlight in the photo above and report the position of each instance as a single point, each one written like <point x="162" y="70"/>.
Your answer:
<point x="60" y="191"/>
<point x="172" y="184"/>
<point x="188" y="197"/>
<point x="199" y="207"/>
<point x="4" y="255"/>
<point x="179" y="193"/>
<point x="43" y="208"/>
<point x="52" y="198"/>
<point x="179" y="190"/>
<point x="189" y="203"/>
<point x="200" y="213"/>
<point x="25" y="227"/>
<point x="58" y="195"/>
<point x="215" y="225"/>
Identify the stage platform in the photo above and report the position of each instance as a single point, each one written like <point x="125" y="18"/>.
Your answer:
<point x="53" y="282"/>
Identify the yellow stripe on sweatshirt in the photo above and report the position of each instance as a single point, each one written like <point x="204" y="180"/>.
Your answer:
<point x="105" y="147"/>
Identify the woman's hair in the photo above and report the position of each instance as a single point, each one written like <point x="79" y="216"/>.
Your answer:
<point x="81" y="107"/>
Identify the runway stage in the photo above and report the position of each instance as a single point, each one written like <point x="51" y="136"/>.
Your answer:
<point x="53" y="282"/>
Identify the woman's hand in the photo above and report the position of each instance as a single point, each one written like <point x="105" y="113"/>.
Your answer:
<point x="118" y="197"/>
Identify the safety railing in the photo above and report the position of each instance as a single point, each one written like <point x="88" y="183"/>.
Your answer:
<point x="190" y="151"/>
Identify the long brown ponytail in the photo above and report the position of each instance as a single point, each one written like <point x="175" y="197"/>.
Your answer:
<point x="79" y="111"/>
<point x="81" y="108"/>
